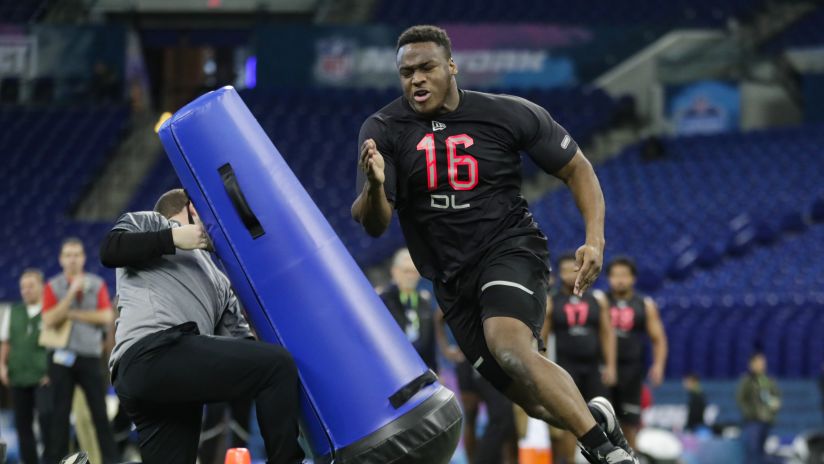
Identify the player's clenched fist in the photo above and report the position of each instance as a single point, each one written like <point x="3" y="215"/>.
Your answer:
<point x="371" y="163"/>
<point x="190" y="237"/>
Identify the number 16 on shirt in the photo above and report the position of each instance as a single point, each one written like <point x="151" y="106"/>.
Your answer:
<point x="454" y="161"/>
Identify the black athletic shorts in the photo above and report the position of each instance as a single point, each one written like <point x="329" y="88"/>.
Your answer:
<point x="587" y="377"/>
<point x="626" y="394"/>
<point x="509" y="280"/>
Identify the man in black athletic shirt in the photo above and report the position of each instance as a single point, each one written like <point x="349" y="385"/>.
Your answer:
<point x="583" y="340"/>
<point x="634" y="317"/>
<point x="448" y="160"/>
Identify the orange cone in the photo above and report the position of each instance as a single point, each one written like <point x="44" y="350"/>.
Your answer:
<point x="535" y="447"/>
<point x="238" y="456"/>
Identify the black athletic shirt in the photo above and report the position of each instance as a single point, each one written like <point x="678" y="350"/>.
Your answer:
<point x="575" y="323"/>
<point x="629" y="318"/>
<point x="455" y="179"/>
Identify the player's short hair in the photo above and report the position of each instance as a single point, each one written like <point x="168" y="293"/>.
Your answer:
<point x="399" y="256"/>
<point x="566" y="256"/>
<point x="34" y="272"/>
<point x="71" y="241"/>
<point x="625" y="261"/>
<point x="426" y="33"/>
<point x="171" y="202"/>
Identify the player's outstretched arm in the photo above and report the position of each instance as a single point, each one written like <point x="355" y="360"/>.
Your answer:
<point x="579" y="176"/>
<point x="371" y="208"/>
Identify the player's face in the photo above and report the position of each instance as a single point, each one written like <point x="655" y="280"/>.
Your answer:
<point x="426" y="75"/>
<point x="621" y="279"/>
<point x="72" y="258"/>
<point x="566" y="269"/>
<point x="31" y="288"/>
<point x="405" y="275"/>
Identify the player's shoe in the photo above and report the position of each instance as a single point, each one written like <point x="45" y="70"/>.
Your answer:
<point x="604" y="415"/>
<point x="608" y="454"/>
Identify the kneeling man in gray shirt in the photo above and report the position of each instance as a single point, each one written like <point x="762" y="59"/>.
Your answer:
<point x="182" y="341"/>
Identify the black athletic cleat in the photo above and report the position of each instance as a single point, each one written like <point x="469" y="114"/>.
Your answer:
<point x="608" y="454"/>
<point x="604" y="414"/>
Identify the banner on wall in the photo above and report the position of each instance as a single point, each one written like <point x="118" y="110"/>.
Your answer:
<point x="705" y="107"/>
<point x="18" y="55"/>
<point x="486" y="56"/>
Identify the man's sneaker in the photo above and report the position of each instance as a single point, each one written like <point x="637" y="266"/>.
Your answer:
<point x="604" y="414"/>
<point x="608" y="454"/>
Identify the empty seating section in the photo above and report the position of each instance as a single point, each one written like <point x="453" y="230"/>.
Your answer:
<point x="672" y="13"/>
<point x="50" y="155"/>
<point x="769" y="296"/>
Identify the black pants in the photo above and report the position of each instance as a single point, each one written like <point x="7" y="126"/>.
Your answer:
<point x="87" y="372"/>
<point x="165" y="379"/>
<point x="213" y="438"/>
<point x="25" y="401"/>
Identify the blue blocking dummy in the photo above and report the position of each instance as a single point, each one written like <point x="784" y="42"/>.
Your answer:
<point x="367" y="396"/>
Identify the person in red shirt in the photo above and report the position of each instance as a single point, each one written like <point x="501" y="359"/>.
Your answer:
<point x="81" y="299"/>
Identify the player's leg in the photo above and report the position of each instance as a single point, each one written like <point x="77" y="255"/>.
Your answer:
<point x="513" y="299"/>
<point x="628" y="400"/>
<point x="470" y="401"/>
<point x="546" y="383"/>
<point x="469" y="333"/>
<point x="564" y="446"/>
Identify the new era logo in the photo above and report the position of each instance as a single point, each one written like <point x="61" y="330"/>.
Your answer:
<point x="436" y="126"/>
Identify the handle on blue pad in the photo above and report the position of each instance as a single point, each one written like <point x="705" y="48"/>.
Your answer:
<point x="230" y="183"/>
<point x="400" y="397"/>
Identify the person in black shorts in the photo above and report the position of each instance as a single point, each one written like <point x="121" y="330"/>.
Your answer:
<point x="448" y="160"/>
<point x="583" y="340"/>
<point x="634" y="318"/>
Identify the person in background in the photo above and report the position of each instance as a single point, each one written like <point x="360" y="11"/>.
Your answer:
<point x="696" y="402"/>
<point x="412" y="308"/>
<point x="584" y="344"/>
<point x="759" y="399"/>
<point x="23" y="364"/>
<point x="80" y="298"/>
<point x="636" y="319"/>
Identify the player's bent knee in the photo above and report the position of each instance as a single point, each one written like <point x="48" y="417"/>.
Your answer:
<point x="513" y="362"/>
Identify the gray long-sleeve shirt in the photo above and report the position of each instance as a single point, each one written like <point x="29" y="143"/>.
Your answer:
<point x="171" y="290"/>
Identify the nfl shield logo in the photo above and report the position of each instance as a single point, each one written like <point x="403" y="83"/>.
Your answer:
<point x="335" y="60"/>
